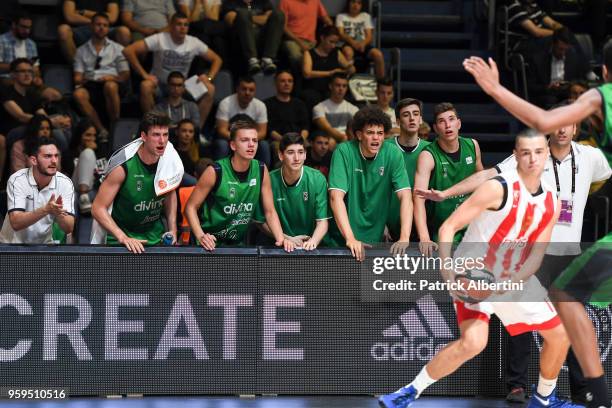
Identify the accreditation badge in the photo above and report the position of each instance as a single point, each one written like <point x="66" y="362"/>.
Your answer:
<point x="565" y="216"/>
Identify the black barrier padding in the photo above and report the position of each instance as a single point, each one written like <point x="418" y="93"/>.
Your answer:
<point x="301" y="327"/>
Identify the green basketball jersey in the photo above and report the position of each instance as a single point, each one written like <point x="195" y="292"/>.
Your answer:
<point x="368" y="184"/>
<point x="445" y="174"/>
<point x="228" y="210"/>
<point x="604" y="141"/>
<point x="137" y="209"/>
<point x="410" y="162"/>
<point x="300" y="206"/>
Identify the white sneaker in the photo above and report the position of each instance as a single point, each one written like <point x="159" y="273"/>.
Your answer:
<point x="84" y="203"/>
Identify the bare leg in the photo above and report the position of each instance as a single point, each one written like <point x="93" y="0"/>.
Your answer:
<point x="348" y="52"/>
<point x="474" y="337"/>
<point x="81" y="96"/>
<point x="66" y="41"/>
<point x="379" y="62"/>
<point x="554" y="351"/>
<point x="205" y="104"/>
<point x="147" y="95"/>
<point x="113" y="102"/>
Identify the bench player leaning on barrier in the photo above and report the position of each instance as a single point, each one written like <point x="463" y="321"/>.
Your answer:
<point x="300" y="196"/>
<point x="229" y="192"/>
<point x="572" y="168"/>
<point x="597" y="104"/>
<point x="364" y="173"/>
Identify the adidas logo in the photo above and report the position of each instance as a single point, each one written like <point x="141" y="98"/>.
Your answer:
<point x="419" y="335"/>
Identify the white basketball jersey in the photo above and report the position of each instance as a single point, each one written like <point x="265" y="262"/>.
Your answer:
<point x="503" y="237"/>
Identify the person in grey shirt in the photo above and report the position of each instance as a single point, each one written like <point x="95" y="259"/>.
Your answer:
<point x="100" y="70"/>
<point x="175" y="106"/>
<point x="146" y="17"/>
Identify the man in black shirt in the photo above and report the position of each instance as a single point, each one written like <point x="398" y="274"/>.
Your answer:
<point x="318" y="155"/>
<point x="285" y="113"/>
<point x="256" y="21"/>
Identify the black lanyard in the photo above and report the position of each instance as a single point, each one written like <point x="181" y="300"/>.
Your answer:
<point x="573" y="173"/>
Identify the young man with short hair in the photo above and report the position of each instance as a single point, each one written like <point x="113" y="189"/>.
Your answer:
<point x="446" y="161"/>
<point x="173" y="50"/>
<point x="129" y="189"/>
<point x="364" y="173"/>
<point x="318" y="155"/>
<point x="514" y="207"/>
<point x="38" y="196"/>
<point x="410" y="117"/>
<point x="229" y="192"/>
<point x="300" y="196"/>
<point x="384" y="97"/>
<point x="177" y="107"/>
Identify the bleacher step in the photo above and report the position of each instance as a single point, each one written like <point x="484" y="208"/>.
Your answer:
<point x="423" y="38"/>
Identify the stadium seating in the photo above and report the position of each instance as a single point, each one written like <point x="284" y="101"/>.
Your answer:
<point x="124" y="131"/>
<point x="58" y="77"/>
<point x="265" y="86"/>
<point x="224" y="85"/>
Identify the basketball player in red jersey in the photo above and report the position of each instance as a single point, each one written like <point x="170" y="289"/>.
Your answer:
<point x="514" y="207"/>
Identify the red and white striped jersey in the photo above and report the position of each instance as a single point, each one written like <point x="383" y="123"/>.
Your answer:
<point x="504" y="236"/>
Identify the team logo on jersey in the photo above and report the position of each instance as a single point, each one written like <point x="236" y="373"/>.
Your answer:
<point x="469" y="160"/>
<point x="253" y="182"/>
<point x="381" y="170"/>
<point x="232" y="192"/>
<point x="139" y="185"/>
<point x="305" y="195"/>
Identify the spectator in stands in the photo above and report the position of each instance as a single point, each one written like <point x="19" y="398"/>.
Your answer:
<point x="320" y="64"/>
<point x="146" y="17"/>
<point x="243" y="101"/>
<point x="355" y="26"/>
<point x="175" y="106"/>
<point x="37" y="197"/>
<point x="39" y="126"/>
<point x="206" y="24"/>
<point x="188" y="150"/>
<point x="241" y="182"/>
<point x="360" y="199"/>
<point x="131" y="183"/>
<point x="384" y="97"/>
<point x="551" y="71"/>
<point x="254" y="21"/>
<point x="18" y="44"/>
<point x="318" y="155"/>
<point x="449" y="159"/>
<point x="577" y="88"/>
<point x="333" y="115"/>
<point x="79" y="26"/>
<point x="300" y="28"/>
<point x="81" y="163"/>
<point x="101" y="73"/>
<point x="286" y="113"/>
<point x="20" y="102"/>
<point x="300" y="196"/>
<point x="424" y="131"/>
<point x="172" y="51"/>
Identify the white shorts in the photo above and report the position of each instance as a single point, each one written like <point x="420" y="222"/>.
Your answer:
<point x="517" y="317"/>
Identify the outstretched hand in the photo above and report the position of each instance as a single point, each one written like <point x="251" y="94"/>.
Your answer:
<point x="486" y="75"/>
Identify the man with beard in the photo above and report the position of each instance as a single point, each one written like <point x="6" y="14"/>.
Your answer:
<point x="228" y="193"/>
<point x="37" y="197"/>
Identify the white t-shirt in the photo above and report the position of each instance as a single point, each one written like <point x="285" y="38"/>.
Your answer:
<point x="337" y="114"/>
<point x="23" y="195"/>
<point x="229" y="107"/>
<point x="591" y="166"/>
<point x="355" y="27"/>
<point x="169" y="56"/>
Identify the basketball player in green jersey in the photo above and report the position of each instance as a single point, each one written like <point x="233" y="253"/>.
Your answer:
<point x="409" y="114"/>
<point x="300" y="196"/>
<point x="130" y="189"/>
<point x="229" y="192"/>
<point x="364" y="173"/>
<point x="446" y="161"/>
<point x="597" y="104"/>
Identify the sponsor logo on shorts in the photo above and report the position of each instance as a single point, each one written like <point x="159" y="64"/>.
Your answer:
<point x="419" y="334"/>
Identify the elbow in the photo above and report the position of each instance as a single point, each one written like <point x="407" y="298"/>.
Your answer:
<point x="16" y="225"/>
<point x="446" y="232"/>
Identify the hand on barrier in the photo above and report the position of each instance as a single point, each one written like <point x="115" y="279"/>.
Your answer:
<point x="310" y="245"/>
<point x="208" y="241"/>
<point x="399" y="247"/>
<point x="357" y="249"/>
<point x="133" y="245"/>
<point x="427" y="248"/>
<point x="287" y="244"/>
<point x="431" y="194"/>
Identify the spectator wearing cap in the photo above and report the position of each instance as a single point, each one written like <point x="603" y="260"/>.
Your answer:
<point x="101" y="73"/>
<point x="78" y="27"/>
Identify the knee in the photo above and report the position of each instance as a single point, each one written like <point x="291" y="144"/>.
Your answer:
<point x="472" y="345"/>
<point x="348" y="52"/>
<point x="376" y="54"/>
<point x="81" y="95"/>
<point x="123" y="36"/>
<point x="211" y="89"/>
<point x="64" y="32"/>
<point x="147" y="87"/>
<point x="111" y="88"/>
<point x="556" y="337"/>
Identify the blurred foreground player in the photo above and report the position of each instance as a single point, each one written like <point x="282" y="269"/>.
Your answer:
<point x="229" y="192"/>
<point x="512" y="207"/>
<point x="593" y="103"/>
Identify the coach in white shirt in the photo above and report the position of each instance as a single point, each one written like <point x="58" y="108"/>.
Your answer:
<point x="37" y="197"/>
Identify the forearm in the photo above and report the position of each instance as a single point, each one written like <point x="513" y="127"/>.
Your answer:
<point x="261" y="19"/>
<point x="275" y="226"/>
<point x="420" y="219"/>
<point x="470" y="184"/>
<point x="265" y="229"/>
<point x="288" y="33"/>
<point x="103" y="218"/>
<point x="194" y="221"/>
<point x="215" y="67"/>
<point x="524" y="111"/>
<point x="405" y="218"/>
<point x="170" y="207"/>
<point x="134" y="62"/>
<point x="341" y="217"/>
<point x="320" y="231"/>
<point x="23" y="219"/>
<point x="319" y="74"/>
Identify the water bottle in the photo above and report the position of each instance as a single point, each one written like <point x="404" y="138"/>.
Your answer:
<point x="167" y="239"/>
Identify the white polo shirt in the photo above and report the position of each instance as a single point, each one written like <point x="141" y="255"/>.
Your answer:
<point x="23" y="195"/>
<point x="591" y="166"/>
